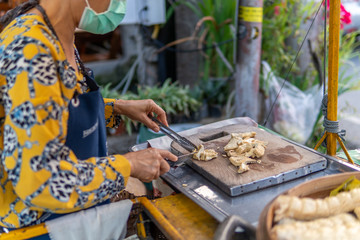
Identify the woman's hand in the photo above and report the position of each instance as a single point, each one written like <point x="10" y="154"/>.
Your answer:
<point x="149" y="164"/>
<point x="140" y="110"/>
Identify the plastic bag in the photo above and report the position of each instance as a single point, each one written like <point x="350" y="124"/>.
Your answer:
<point x="295" y="112"/>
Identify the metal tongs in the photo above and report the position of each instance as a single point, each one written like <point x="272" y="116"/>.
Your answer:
<point x="183" y="142"/>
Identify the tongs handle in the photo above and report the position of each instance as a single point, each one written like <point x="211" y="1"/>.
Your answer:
<point x="184" y="142"/>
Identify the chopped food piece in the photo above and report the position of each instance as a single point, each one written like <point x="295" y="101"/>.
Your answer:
<point x="184" y="185"/>
<point x="357" y="212"/>
<point x="248" y="135"/>
<point x="238" y="160"/>
<point x="203" y="154"/>
<point x="233" y="144"/>
<point x="243" y="168"/>
<point x="243" y="148"/>
<point x="231" y="153"/>
<point x="250" y="153"/>
<point x="259" y="150"/>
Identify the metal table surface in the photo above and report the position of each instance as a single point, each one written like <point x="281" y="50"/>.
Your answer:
<point x="248" y="206"/>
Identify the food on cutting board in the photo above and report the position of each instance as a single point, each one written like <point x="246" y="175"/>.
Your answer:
<point x="203" y="154"/>
<point x="333" y="217"/>
<point x="244" y="149"/>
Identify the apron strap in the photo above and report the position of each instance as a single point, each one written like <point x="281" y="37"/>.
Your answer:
<point x="87" y="72"/>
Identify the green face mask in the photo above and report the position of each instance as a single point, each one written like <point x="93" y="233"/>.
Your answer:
<point x="105" y="22"/>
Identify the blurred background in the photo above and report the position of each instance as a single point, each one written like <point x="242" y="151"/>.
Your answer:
<point x="202" y="63"/>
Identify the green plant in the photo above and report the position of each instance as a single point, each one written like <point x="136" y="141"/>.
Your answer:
<point x="108" y="92"/>
<point x="218" y="30"/>
<point x="172" y="97"/>
<point x="281" y="23"/>
<point x="212" y="91"/>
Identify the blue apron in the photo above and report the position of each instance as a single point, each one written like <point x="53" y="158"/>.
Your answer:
<point x="86" y="134"/>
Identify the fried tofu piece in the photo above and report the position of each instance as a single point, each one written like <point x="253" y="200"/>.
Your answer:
<point x="233" y="144"/>
<point x="243" y="148"/>
<point x="238" y="160"/>
<point x="248" y="135"/>
<point x="203" y="154"/>
<point x="242" y="162"/>
<point x="259" y="150"/>
<point x="243" y="168"/>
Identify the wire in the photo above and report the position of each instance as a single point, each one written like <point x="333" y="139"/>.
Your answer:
<point x="292" y="65"/>
<point x="214" y="45"/>
<point x="160" y="44"/>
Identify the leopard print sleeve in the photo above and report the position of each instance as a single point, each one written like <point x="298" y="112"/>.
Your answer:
<point x="112" y="120"/>
<point x="38" y="172"/>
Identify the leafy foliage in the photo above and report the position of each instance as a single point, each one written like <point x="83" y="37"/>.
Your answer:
<point x="223" y="13"/>
<point x="281" y="23"/>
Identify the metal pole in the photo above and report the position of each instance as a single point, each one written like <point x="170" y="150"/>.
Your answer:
<point x="333" y="68"/>
<point x="250" y="13"/>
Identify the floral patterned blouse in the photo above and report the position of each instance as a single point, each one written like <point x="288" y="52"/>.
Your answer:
<point x="38" y="173"/>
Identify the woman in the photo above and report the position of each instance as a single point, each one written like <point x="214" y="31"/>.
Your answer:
<point x="53" y="141"/>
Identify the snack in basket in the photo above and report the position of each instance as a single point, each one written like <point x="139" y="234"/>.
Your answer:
<point x="342" y="226"/>
<point x="308" y="208"/>
<point x="333" y="217"/>
<point x="203" y="154"/>
<point x="243" y="149"/>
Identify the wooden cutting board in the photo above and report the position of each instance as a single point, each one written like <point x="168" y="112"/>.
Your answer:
<point x="283" y="161"/>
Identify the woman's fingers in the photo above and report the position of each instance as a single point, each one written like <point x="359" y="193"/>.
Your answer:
<point x="164" y="167"/>
<point x="151" y="124"/>
<point x="150" y="163"/>
<point x="161" y="114"/>
<point x="168" y="155"/>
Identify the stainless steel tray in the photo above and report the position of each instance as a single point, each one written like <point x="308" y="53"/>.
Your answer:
<point x="248" y="206"/>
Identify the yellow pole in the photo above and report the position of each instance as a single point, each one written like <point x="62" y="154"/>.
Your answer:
<point x="333" y="68"/>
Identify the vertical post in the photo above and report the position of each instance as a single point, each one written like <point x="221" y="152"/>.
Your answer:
<point x="250" y="13"/>
<point x="187" y="65"/>
<point x="333" y="69"/>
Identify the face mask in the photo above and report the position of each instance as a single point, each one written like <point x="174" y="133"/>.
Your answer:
<point x="105" y="22"/>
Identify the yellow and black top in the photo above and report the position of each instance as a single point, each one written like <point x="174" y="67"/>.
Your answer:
<point x="38" y="172"/>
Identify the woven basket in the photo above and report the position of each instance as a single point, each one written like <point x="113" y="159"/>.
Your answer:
<point x="317" y="188"/>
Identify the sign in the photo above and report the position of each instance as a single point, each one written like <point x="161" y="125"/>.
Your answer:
<point x="250" y="14"/>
